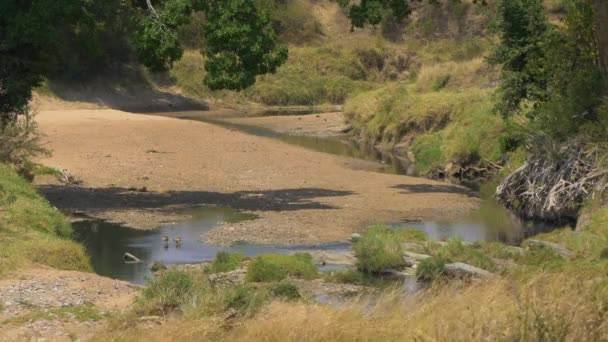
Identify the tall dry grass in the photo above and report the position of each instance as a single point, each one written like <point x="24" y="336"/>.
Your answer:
<point x="567" y="306"/>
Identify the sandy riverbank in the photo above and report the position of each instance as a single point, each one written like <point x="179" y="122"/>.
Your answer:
<point x="301" y="196"/>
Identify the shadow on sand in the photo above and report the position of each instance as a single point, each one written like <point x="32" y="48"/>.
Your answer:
<point x="74" y="198"/>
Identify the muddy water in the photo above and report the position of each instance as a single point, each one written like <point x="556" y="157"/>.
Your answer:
<point x="107" y="242"/>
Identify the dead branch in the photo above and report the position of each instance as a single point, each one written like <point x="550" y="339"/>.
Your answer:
<point x="555" y="181"/>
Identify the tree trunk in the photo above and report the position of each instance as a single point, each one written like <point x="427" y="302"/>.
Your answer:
<point x="601" y="21"/>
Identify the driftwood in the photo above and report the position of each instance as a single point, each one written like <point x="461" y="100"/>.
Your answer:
<point x="130" y="258"/>
<point x="555" y="181"/>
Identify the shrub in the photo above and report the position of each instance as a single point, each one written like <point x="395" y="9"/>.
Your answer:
<point x="276" y="267"/>
<point x="226" y="262"/>
<point x="285" y="290"/>
<point x="378" y="249"/>
<point x="456" y="250"/>
<point x="431" y="268"/>
<point x="246" y="299"/>
<point x="168" y="291"/>
<point x="20" y="142"/>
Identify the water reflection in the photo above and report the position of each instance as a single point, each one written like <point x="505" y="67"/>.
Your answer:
<point x="490" y="223"/>
<point x="107" y="242"/>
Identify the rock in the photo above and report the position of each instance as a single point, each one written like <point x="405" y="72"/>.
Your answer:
<point x="411" y="246"/>
<point x="232" y="278"/>
<point x="355" y="237"/>
<point x="462" y="270"/>
<point x="534" y="244"/>
<point x="415" y="256"/>
<point x="157" y="266"/>
<point x="130" y="258"/>
<point x="342" y="258"/>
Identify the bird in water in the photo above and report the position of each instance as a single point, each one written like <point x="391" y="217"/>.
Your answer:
<point x="178" y="241"/>
<point x="165" y="242"/>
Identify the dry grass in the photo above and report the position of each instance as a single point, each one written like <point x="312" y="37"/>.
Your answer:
<point x="568" y="306"/>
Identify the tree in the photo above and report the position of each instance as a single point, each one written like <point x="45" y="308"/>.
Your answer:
<point x="39" y="37"/>
<point x="552" y="75"/>
<point x="371" y="12"/>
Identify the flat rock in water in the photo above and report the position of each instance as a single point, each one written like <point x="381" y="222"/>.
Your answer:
<point x="550" y="245"/>
<point x="462" y="270"/>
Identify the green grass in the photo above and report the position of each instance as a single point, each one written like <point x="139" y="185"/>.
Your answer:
<point x="82" y="313"/>
<point x="431" y="268"/>
<point x="167" y="292"/>
<point x="226" y="262"/>
<point x="276" y="267"/>
<point x="378" y="249"/>
<point x="191" y="294"/>
<point x="286" y="290"/>
<point x="32" y="231"/>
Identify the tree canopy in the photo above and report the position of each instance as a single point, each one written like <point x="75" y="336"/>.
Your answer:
<point x="44" y="37"/>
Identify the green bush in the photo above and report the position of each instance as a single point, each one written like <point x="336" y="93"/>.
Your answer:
<point x="431" y="268"/>
<point x="276" y="267"/>
<point x="226" y="262"/>
<point x="168" y="291"/>
<point x="457" y="251"/>
<point x="246" y="299"/>
<point x="285" y="290"/>
<point x="378" y="249"/>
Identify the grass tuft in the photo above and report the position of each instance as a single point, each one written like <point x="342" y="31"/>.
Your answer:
<point x="226" y="262"/>
<point x="378" y="249"/>
<point x="276" y="267"/>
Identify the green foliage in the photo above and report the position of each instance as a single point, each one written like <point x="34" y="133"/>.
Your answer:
<point x="226" y="261"/>
<point x="285" y="290"/>
<point x="410" y="235"/>
<point x="167" y="292"/>
<point x="431" y="268"/>
<point x="378" y="249"/>
<point x="457" y="251"/>
<point x="246" y="299"/>
<point x="20" y="143"/>
<point x="73" y="38"/>
<point x="33" y="232"/>
<point x="241" y="44"/>
<point x="292" y="20"/>
<point x="276" y="267"/>
<point x="86" y="312"/>
<point x="549" y="74"/>
<point x="372" y="12"/>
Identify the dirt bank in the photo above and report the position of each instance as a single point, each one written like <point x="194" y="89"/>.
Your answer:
<point x="301" y="196"/>
<point x="318" y="125"/>
<point x="32" y="299"/>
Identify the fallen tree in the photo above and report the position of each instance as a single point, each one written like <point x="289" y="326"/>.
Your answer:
<point x="556" y="180"/>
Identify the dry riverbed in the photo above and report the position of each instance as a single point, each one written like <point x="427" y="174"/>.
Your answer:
<point x="141" y="170"/>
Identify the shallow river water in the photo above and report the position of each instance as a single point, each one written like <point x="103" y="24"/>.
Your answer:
<point x="107" y="242"/>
